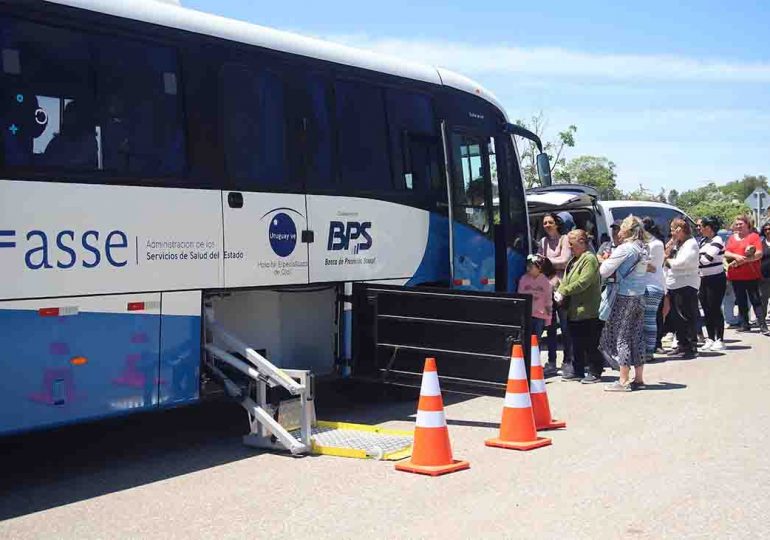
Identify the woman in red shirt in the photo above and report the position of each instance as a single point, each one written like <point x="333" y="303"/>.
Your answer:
<point x="744" y="251"/>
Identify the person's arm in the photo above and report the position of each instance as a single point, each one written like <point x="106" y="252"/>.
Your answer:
<point x="686" y="258"/>
<point x="709" y="252"/>
<point x="565" y="254"/>
<point x="583" y="280"/>
<point x="541" y="247"/>
<point x="757" y="243"/>
<point x="611" y="265"/>
<point x="730" y="255"/>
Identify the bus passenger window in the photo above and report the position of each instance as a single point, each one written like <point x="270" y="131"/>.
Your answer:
<point x="254" y="127"/>
<point x="47" y="102"/>
<point x="140" y="113"/>
<point x="415" y="142"/>
<point x="363" y="143"/>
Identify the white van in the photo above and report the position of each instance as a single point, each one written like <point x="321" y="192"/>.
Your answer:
<point x="588" y="212"/>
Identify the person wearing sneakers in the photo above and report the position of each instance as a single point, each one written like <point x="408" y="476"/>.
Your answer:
<point x="622" y="341"/>
<point x="713" y="283"/>
<point x="580" y="291"/>
<point x="683" y="282"/>
<point x="744" y="251"/>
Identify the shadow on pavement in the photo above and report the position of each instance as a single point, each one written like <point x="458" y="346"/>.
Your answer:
<point x="663" y="386"/>
<point x="47" y="469"/>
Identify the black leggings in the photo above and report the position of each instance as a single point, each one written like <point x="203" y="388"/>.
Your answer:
<point x="683" y="316"/>
<point x="711" y="294"/>
<point x="748" y="292"/>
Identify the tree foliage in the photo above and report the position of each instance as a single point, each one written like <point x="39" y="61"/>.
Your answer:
<point x="594" y="171"/>
<point x="554" y="148"/>
<point x="724" y="201"/>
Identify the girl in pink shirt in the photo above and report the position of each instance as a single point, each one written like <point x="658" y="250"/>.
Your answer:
<point x="535" y="283"/>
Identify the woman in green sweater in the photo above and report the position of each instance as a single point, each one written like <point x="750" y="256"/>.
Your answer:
<point x="580" y="292"/>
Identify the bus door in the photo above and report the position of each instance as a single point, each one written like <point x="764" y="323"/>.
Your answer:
<point x="264" y="211"/>
<point x="473" y="212"/>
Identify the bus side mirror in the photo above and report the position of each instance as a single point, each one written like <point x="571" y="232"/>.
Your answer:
<point x="544" y="169"/>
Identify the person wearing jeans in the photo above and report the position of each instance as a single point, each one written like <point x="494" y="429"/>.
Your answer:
<point x="580" y="290"/>
<point x="744" y="251"/>
<point x="683" y="281"/>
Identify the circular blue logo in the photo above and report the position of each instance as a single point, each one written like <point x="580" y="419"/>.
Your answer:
<point x="282" y="234"/>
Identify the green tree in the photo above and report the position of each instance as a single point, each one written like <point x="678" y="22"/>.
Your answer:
<point x="740" y="189"/>
<point x="673" y="197"/>
<point x="641" y="194"/>
<point x="725" y="210"/>
<point x="594" y="171"/>
<point x="554" y="148"/>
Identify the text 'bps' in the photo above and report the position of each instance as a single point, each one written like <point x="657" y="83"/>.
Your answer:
<point x="349" y="236"/>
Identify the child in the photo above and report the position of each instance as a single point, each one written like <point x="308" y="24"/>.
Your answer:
<point x="535" y="283"/>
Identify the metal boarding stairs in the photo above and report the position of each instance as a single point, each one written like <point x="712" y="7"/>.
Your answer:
<point x="265" y="430"/>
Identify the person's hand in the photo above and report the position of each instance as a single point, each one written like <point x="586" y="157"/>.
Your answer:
<point x="558" y="297"/>
<point x="651" y="268"/>
<point x="739" y="260"/>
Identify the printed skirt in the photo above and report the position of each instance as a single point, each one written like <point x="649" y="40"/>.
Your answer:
<point x="623" y="339"/>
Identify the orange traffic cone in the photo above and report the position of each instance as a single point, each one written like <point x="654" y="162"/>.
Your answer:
<point x="540" y="406"/>
<point x="432" y="452"/>
<point x="517" y="428"/>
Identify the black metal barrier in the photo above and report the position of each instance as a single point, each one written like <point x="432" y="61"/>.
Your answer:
<point x="469" y="333"/>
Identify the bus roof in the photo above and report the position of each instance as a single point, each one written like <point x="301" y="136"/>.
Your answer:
<point x="170" y="14"/>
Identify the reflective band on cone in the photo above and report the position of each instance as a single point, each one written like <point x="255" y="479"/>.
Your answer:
<point x="540" y="406"/>
<point x="517" y="427"/>
<point x="432" y="451"/>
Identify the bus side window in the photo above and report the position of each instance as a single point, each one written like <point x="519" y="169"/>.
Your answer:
<point x="140" y="112"/>
<point x="254" y="127"/>
<point x="414" y="139"/>
<point x="310" y="135"/>
<point x="47" y="100"/>
<point x="362" y="137"/>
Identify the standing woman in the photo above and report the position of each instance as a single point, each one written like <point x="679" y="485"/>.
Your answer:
<point x="683" y="282"/>
<point x="764" y="288"/>
<point x="554" y="246"/>
<point x="713" y="282"/>
<point x="744" y="252"/>
<point x="655" y="288"/>
<point x="622" y="343"/>
<point x="580" y="290"/>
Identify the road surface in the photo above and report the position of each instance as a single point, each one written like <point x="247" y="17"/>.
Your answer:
<point x="687" y="458"/>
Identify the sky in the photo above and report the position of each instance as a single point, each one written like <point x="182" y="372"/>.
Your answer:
<point x="676" y="94"/>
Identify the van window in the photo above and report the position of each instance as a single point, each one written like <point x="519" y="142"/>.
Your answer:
<point x="661" y="216"/>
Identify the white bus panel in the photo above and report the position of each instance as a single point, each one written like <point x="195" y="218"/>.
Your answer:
<point x="68" y="239"/>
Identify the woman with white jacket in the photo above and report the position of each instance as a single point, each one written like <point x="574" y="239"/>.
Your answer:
<point x="682" y="282"/>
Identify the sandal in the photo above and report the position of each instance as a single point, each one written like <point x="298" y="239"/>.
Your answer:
<point x="617" y="386"/>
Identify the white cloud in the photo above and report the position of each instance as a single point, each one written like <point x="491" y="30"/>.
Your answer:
<point x="557" y="62"/>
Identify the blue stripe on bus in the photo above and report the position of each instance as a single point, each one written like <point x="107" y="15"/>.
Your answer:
<point x="59" y="370"/>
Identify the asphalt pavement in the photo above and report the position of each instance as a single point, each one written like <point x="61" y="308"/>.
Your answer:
<point x="689" y="457"/>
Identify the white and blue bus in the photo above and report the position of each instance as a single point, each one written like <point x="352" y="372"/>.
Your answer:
<point x="155" y="158"/>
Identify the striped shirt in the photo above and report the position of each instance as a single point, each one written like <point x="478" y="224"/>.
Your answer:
<point x="712" y="252"/>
